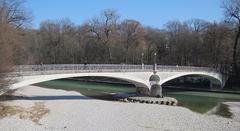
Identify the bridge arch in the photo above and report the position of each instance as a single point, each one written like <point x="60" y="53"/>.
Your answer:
<point x="213" y="77"/>
<point x="29" y="80"/>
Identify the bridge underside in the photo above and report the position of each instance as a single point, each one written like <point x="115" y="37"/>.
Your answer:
<point x="194" y="81"/>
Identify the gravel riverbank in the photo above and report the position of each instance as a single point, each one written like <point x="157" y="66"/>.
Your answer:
<point x="69" y="110"/>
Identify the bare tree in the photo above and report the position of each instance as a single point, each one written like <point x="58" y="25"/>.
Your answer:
<point x="6" y="55"/>
<point x="156" y="42"/>
<point x="179" y="35"/>
<point x="197" y="25"/>
<point x="12" y="19"/>
<point x="51" y="37"/>
<point x="216" y="45"/>
<point x="232" y="15"/>
<point x="132" y="35"/>
<point x="104" y="28"/>
<point x="13" y="13"/>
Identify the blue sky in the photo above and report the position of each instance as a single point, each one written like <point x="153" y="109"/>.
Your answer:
<point x="153" y="13"/>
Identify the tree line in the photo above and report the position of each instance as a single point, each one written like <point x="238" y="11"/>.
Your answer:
<point x="106" y="39"/>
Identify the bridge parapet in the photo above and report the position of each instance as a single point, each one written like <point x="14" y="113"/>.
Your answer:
<point x="170" y="68"/>
<point x="79" y="68"/>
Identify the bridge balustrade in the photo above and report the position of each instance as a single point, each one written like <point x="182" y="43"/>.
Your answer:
<point x="77" y="68"/>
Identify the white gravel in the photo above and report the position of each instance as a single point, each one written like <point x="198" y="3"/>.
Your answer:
<point x="72" y="111"/>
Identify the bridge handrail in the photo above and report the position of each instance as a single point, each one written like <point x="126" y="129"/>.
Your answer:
<point x="185" y="68"/>
<point x="105" y="67"/>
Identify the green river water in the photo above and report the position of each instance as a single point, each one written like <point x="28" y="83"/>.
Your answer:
<point x="197" y="101"/>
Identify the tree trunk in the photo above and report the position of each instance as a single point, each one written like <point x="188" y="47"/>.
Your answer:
<point x="126" y="55"/>
<point x="109" y="55"/>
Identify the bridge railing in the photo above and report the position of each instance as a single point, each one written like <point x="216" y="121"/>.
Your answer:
<point x="184" y="68"/>
<point x="74" y="68"/>
<point x="77" y="68"/>
<point x="99" y="67"/>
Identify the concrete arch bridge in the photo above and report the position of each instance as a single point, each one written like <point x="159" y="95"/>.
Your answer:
<point x="136" y="74"/>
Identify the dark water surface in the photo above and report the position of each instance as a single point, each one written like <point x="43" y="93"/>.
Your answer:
<point x="197" y="101"/>
<point x="92" y="89"/>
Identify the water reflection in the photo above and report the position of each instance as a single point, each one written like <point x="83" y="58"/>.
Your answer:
<point x="204" y="102"/>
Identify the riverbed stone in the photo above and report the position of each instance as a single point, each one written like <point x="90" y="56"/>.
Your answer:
<point x="152" y="100"/>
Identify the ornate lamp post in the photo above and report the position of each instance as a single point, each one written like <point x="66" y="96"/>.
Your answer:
<point x="155" y="63"/>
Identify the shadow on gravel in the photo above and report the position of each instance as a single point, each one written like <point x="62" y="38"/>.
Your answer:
<point x="70" y="97"/>
<point x="64" y="97"/>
